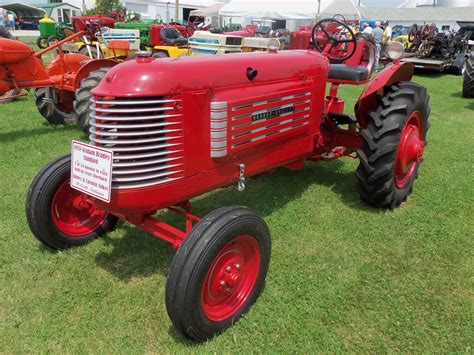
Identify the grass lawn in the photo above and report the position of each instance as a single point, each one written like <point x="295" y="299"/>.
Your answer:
<point x="343" y="276"/>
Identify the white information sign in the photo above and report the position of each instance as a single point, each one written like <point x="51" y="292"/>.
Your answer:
<point x="91" y="170"/>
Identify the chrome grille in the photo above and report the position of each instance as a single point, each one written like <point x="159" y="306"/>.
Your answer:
<point x="146" y="136"/>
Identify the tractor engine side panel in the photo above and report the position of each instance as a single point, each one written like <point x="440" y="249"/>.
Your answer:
<point x="166" y="132"/>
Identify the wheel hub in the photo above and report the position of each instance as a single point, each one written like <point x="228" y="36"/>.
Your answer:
<point x="231" y="278"/>
<point x="74" y="213"/>
<point x="410" y="149"/>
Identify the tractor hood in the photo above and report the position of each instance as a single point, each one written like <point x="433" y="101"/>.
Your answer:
<point x="156" y="77"/>
<point x="13" y="51"/>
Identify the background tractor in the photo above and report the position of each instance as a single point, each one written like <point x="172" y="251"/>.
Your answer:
<point x="166" y="131"/>
<point x="55" y="84"/>
<point x="437" y="51"/>
<point x="51" y="32"/>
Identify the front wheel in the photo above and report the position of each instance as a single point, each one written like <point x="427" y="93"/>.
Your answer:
<point x="60" y="216"/>
<point x="218" y="272"/>
<point x="42" y="42"/>
<point x="394" y="140"/>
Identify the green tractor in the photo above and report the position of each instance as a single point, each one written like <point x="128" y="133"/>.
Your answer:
<point x="51" y="32"/>
<point x="143" y="27"/>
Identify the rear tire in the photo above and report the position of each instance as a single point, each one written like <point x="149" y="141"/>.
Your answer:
<point x="82" y="103"/>
<point x="59" y="216"/>
<point x="85" y="52"/>
<point x="160" y="55"/>
<point x="218" y="272"/>
<point x="53" y="113"/>
<point x="468" y="80"/>
<point x="394" y="140"/>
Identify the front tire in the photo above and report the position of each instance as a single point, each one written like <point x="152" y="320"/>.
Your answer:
<point x="42" y="42"/>
<point x="55" y="113"/>
<point x="468" y="80"/>
<point x="218" y="272"/>
<point x="394" y="140"/>
<point x="82" y="103"/>
<point x="59" y="216"/>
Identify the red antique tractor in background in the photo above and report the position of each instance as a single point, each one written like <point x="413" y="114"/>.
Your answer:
<point x="165" y="131"/>
<point x="55" y="84"/>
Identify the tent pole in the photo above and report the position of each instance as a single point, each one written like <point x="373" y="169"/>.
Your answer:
<point x="176" y="11"/>
<point x="318" y="16"/>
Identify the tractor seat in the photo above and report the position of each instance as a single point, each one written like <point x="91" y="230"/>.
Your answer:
<point x="344" y="72"/>
<point x="173" y="37"/>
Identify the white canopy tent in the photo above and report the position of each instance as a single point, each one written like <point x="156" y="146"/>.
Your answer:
<point x="288" y="10"/>
<point x="210" y="11"/>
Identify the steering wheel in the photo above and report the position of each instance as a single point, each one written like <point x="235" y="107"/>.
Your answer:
<point x="332" y="40"/>
<point x="339" y="17"/>
<point x="91" y="28"/>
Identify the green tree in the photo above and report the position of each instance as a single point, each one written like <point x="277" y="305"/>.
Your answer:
<point x="105" y="7"/>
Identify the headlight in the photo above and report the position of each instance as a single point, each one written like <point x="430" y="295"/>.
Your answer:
<point x="273" y="45"/>
<point x="395" y="50"/>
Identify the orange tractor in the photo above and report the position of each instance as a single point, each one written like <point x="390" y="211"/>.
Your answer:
<point x="57" y="83"/>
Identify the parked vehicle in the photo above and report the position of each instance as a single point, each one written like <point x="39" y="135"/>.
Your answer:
<point x="437" y="51"/>
<point x="166" y="131"/>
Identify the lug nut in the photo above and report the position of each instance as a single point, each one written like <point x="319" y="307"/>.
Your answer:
<point x="222" y="283"/>
<point x="237" y="266"/>
<point x="228" y="269"/>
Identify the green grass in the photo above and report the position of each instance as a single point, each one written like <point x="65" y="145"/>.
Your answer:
<point x="343" y="277"/>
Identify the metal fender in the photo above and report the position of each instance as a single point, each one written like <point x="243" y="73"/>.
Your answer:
<point x="90" y="66"/>
<point x="394" y="73"/>
<point x="12" y="52"/>
<point x="68" y="63"/>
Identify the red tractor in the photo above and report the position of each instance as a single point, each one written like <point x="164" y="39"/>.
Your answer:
<point x="55" y="84"/>
<point x="166" y="131"/>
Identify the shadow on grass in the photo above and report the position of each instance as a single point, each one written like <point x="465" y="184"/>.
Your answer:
<point x="46" y="129"/>
<point x="138" y="254"/>
<point x="470" y="105"/>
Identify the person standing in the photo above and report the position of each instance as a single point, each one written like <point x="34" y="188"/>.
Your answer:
<point x="366" y="28"/>
<point x="2" y="17"/>
<point x="377" y="32"/>
<point x="11" y="21"/>
<point x="386" y="38"/>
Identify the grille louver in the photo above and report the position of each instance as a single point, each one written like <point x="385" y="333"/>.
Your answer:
<point x="145" y="135"/>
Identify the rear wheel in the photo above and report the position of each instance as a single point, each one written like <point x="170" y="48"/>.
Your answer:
<point x="218" y="272"/>
<point x="85" y="52"/>
<point x="160" y="55"/>
<point x="468" y="80"/>
<point x="82" y="103"/>
<point x="394" y="141"/>
<point x="60" y="216"/>
<point x="55" y="106"/>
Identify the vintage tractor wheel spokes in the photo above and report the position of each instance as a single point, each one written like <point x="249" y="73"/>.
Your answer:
<point x="60" y="112"/>
<point x="83" y="96"/>
<point x="218" y="272"/>
<point x="60" y="216"/>
<point x="394" y="143"/>
<point x="468" y="80"/>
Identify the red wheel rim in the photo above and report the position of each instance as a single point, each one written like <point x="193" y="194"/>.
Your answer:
<point x="231" y="278"/>
<point x="410" y="149"/>
<point x="74" y="213"/>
